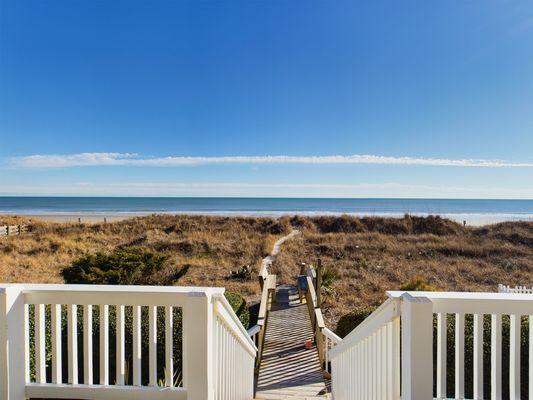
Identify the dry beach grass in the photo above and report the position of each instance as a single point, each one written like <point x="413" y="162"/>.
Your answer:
<point x="212" y="246"/>
<point x="368" y="255"/>
<point x="372" y="255"/>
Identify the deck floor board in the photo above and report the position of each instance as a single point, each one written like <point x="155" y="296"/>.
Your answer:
<point x="288" y="370"/>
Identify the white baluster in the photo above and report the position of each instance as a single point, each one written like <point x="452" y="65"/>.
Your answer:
<point x="442" y="352"/>
<point x="496" y="356"/>
<point x="104" y="344"/>
<point x="57" y="375"/>
<point x="531" y="357"/>
<point x="478" y="357"/>
<point x="40" y="344"/>
<point x="137" y="345"/>
<point x="459" y="356"/>
<point x="72" y="341"/>
<point x="514" y="358"/>
<point x="169" y="356"/>
<point x="88" y="344"/>
<point x="152" y="350"/>
<point x="120" y="346"/>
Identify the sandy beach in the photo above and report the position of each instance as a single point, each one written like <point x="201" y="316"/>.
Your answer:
<point x="86" y="218"/>
<point x="469" y="219"/>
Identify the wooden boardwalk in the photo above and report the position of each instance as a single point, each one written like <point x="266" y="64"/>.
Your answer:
<point x="288" y="370"/>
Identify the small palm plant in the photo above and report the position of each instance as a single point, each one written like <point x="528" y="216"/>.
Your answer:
<point x="177" y="378"/>
<point x="329" y="276"/>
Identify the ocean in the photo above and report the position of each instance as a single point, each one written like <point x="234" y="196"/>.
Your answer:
<point x="476" y="211"/>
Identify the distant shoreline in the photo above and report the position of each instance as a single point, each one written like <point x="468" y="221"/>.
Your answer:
<point x="66" y="209"/>
<point x="472" y="219"/>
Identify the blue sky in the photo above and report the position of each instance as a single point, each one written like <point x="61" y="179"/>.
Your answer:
<point x="187" y="98"/>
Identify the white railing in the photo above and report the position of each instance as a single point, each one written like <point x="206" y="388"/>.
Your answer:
<point x="368" y="359"/>
<point x="365" y="364"/>
<point x="253" y="332"/>
<point x="516" y="289"/>
<point x="330" y="340"/>
<point x="122" y="342"/>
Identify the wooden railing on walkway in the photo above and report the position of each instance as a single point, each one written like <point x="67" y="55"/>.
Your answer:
<point x="257" y="332"/>
<point x="309" y="284"/>
<point x="46" y="330"/>
<point x="12" y="230"/>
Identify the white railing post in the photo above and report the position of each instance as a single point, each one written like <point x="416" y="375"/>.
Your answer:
<point x="12" y="343"/>
<point x="417" y="348"/>
<point x="198" y="345"/>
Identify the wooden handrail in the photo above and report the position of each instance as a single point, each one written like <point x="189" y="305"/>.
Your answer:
<point x="263" y="305"/>
<point x="317" y="318"/>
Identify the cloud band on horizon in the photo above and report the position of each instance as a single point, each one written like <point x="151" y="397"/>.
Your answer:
<point x="136" y="160"/>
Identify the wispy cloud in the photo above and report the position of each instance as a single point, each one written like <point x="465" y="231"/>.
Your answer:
<point x="136" y="160"/>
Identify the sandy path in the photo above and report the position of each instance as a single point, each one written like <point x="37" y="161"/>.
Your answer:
<point x="268" y="260"/>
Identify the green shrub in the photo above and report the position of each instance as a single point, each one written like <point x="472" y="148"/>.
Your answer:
<point x="419" y="284"/>
<point x="245" y="273"/>
<point x="349" y="321"/>
<point x="240" y="307"/>
<point x="126" y="266"/>
<point x="329" y="276"/>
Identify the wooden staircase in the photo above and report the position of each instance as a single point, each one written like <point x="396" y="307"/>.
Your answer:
<point x="287" y="369"/>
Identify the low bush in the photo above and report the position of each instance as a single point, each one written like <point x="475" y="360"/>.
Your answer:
<point x="238" y="303"/>
<point x="125" y="266"/>
<point x="419" y="284"/>
<point x="349" y="321"/>
<point x="245" y="273"/>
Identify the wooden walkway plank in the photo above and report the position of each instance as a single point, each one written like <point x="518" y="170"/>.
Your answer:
<point x="288" y="370"/>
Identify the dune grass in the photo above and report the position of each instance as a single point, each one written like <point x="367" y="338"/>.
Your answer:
<point x="372" y="255"/>
<point x="212" y="246"/>
<point x="367" y="255"/>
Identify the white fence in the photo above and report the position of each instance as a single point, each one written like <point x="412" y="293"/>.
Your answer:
<point x="516" y="289"/>
<point x="371" y="360"/>
<point x="10" y="230"/>
<point x="49" y="348"/>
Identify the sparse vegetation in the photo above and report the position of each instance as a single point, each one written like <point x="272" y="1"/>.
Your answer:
<point x="211" y="246"/>
<point x="245" y="273"/>
<point x="373" y="255"/>
<point x="419" y="284"/>
<point x="368" y="255"/>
